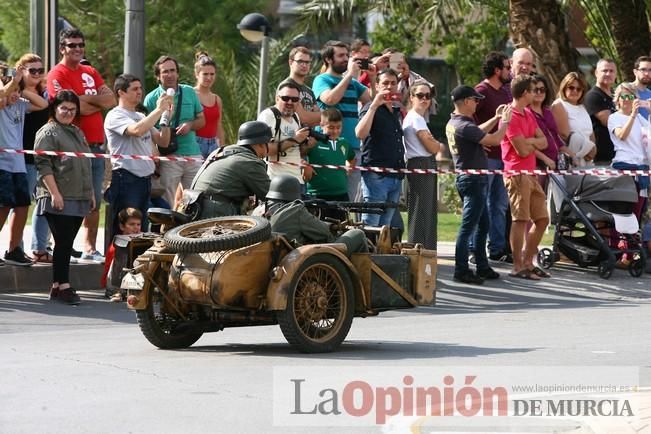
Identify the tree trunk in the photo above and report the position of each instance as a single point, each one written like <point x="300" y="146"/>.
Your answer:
<point x="540" y="26"/>
<point x="630" y="27"/>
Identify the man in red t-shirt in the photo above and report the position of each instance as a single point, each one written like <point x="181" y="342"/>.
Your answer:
<point x="94" y="96"/>
<point x="526" y="197"/>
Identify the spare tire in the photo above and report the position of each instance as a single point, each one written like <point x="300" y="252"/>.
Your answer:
<point x="220" y="233"/>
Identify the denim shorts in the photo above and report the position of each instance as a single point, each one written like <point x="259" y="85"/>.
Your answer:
<point x="97" y="174"/>
<point x="207" y="145"/>
<point x="14" y="190"/>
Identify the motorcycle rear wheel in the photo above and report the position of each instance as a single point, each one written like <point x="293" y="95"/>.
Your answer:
<point x="159" y="326"/>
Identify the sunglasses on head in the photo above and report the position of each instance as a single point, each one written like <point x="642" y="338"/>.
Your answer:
<point x="423" y="95"/>
<point x="287" y="98"/>
<point x="36" y="71"/>
<point x="627" y="97"/>
<point x="75" y="45"/>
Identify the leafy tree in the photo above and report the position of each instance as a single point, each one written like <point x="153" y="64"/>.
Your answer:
<point x="14" y="22"/>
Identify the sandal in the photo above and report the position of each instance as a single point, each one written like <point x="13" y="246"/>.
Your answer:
<point x="42" y="257"/>
<point x="540" y="272"/>
<point x="525" y="274"/>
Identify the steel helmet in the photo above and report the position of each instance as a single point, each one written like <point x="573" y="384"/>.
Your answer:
<point x="254" y="133"/>
<point x="284" y="187"/>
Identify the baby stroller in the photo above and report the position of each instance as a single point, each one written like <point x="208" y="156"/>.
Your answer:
<point x="587" y="212"/>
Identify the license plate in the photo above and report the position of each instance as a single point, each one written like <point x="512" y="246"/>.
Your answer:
<point x="133" y="282"/>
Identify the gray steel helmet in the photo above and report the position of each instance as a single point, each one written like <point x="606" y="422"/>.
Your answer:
<point x="284" y="187"/>
<point x="253" y="133"/>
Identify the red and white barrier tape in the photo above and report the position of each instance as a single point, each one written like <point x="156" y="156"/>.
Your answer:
<point x="592" y="171"/>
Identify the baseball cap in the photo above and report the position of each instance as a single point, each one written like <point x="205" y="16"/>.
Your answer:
<point x="463" y="92"/>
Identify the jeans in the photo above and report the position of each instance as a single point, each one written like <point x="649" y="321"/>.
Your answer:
<point x="128" y="190"/>
<point x="207" y="145"/>
<point x="474" y="222"/>
<point x="380" y="188"/>
<point x="40" y="228"/>
<point x="498" y="204"/>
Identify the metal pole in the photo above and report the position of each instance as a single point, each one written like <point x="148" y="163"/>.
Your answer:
<point x="264" y="61"/>
<point x="51" y="38"/>
<point x="134" y="39"/>
<point x="37" y="27"/>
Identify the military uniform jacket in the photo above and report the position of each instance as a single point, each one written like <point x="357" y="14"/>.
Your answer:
<point x="296" y="222"/>
<point x="236" y="174"/>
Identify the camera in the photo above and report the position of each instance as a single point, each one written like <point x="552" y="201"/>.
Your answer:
<point x="318" y="136"/>
<point x="395" y="97"/>
<point x="11" y="72"/>
<point x="363" y="64"/>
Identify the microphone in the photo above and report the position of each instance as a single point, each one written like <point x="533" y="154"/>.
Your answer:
<point x="165" y="118"/>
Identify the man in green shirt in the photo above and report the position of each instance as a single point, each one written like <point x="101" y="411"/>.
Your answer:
<point x="190" y="119"/>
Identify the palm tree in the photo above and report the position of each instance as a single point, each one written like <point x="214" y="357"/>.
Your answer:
<point x="537" y="24"/>
<point x="540" y="26"/>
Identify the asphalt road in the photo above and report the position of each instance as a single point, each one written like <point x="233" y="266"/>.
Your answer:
<point x="88" y="369"/>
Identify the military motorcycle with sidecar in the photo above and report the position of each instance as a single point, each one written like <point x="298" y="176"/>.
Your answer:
<point x="208" y="275"/>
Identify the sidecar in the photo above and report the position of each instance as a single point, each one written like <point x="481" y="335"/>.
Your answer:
<point x="224" y="272"/>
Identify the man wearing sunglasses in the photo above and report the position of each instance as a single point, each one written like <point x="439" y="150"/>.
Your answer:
<point x="290" y="141"/>
<point x="94" y="96"/>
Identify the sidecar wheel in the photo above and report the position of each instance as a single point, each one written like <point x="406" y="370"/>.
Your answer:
<point x="221" y="233"/>
<point x="320" y="303"/>
<point x="158" y="325"/>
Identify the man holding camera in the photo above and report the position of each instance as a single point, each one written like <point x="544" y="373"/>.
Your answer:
<point x="187" y="117"/>
<point x="289" y="140"/>
<point x="131" y="132"/>
<point x="380" y="129"/>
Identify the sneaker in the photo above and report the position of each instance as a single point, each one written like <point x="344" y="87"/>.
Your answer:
<point x="75" y="253"/>
<point x="94" y="256"/>
<point x="501" y="257"/>
<point x="68" y="296"/>
<point x="54" y="293"/>
<point x="18" y="257"/>
<point x="468" y="277"/>
<point x="117" y="297"/>
<point x="488" y="274"/>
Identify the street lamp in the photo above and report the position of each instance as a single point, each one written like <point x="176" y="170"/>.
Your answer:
<point x="255" y="27"/>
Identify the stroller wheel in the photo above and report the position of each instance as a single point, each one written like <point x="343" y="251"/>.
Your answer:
<point x="545" y="258"/>
<point x="605" y="269"/>
<point x="637" y="266"/>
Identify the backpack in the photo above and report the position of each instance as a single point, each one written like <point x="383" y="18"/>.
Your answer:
<point x="278" y="117"/>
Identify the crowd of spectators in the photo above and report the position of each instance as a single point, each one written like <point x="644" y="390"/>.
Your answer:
<point x="374" y="110"/>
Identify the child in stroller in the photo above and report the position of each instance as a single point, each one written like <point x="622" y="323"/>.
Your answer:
<point x="594" y="223"/>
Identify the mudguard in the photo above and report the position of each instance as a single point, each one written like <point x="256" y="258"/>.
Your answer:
<point x="283" y="273"/>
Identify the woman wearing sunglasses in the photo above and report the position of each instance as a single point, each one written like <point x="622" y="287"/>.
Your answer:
<point x="629" y="133"/>
<point x="420" y="152"/>
<point x="542" y="99"/>
<point x="35" y="81"/>
<point x="65" y="190"/>
<point x="573" y="120"/>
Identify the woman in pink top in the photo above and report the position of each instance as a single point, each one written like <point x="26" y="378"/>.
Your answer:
<point x="212" y="134"/>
